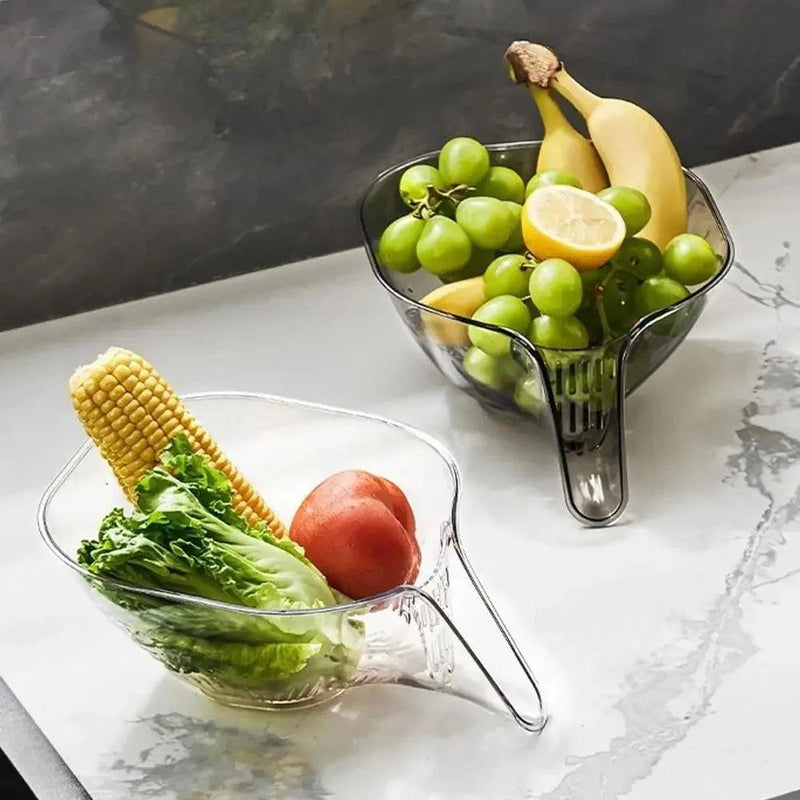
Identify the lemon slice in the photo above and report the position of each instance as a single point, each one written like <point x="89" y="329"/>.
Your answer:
<point x="569" y="223"/>
<point x="463" y="298"/>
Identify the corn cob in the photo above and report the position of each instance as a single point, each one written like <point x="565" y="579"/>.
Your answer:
<point x="131" y="414"/>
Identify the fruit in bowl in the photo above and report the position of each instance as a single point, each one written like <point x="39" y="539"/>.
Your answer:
<point x="358" y="528"/>
<point x="599" y="241"/>
<point x="614" y="253"/>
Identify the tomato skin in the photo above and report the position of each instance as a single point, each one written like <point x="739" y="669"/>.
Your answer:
<point x="400" y="506"/>
<point x="358" y="530"/>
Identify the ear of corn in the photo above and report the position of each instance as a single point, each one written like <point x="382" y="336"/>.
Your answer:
<point x="132" y="414"/>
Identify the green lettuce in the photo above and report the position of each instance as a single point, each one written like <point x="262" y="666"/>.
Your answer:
<point x="186" y="537"/>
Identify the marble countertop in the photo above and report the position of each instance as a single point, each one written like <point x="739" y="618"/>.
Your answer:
<point x="666" y="645"/>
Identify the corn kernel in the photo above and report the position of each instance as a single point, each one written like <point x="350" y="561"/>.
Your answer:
<point x="132" y="414"/>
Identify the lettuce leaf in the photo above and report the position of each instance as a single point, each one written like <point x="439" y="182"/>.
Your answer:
<point x="186" y="537"/>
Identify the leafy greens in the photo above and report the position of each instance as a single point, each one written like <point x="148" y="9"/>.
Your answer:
<point x="186" y="537"/>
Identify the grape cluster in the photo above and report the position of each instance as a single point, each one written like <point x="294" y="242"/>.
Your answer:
<point x="465" y="221"/>
<point x="461" y="215"/>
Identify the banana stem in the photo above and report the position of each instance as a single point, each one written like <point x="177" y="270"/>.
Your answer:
<point x="538" y="65"/>
<point x="552" y="115"/>
<point x="574" y="93"/>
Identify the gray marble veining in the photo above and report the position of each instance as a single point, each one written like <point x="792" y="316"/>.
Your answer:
<point x="710" y="648"/>
<point x="718" y="643"/>
<point x="193" y="757"/>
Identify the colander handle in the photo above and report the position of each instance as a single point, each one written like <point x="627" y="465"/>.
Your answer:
<point x="590" y="441"/>
<point x="593" y="470"/>
<point x="595" y="480"/>
<point x="534" y="717"/>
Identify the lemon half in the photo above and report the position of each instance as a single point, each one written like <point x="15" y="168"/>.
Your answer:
<point x="573" y="224"/>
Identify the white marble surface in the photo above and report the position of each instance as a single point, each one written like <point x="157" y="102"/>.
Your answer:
<point x="667" y="645"/>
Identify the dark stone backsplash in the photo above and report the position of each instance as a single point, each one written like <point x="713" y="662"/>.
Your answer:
<point x="134" y="161"/>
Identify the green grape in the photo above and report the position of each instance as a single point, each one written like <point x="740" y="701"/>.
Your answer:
<point x="506" y="312"/>
<point x="463" y="161"/>
<point x="592" y="278"/>
<point x="485" y="369"/>
<point x="511" y="368"/>
<point x="507" y="275"/>
<point x="477" y="264"/>
<point x="529" y="395"/>
<point x="502" y="183"/>
<point x="618" y="301"/>
<point x="556" y="288"/>
<point x="497" y="373"/>
<point x="632" y="205"/>
<point x="515" y="242"/>
<point x="414" y="183"/>
<point x="590" y="317"/>
<point x="564" y="333"/>
<point x="551" y="177"/>
<point x="657" y="293"/>
<point x="640" y="257"/>
<point x="690" y="259"/>
<point x="443" y="247"/>
<point x="397" y="248"/>
<point x="487" y="221"/>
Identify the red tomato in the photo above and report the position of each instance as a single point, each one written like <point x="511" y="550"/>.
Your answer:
<point x="358" y="529"/>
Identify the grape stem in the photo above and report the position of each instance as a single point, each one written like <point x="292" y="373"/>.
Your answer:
<point x="429" y="205"/>
<point x="601" y="309"/>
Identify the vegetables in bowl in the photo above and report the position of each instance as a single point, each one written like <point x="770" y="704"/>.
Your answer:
<point x="186" y="537"/>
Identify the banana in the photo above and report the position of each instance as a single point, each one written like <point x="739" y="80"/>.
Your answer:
<point x="564" y="148"/>
<point x="463" y="298"/>
<point x="632" y="145"/>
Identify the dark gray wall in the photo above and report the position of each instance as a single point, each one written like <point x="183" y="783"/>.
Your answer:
<point x="134" y="162"/>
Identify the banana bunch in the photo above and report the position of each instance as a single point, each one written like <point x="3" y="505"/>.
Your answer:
<point x="564" y="148"/>
<point x="633" y="147"/>
<point x="628" y="147"/>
